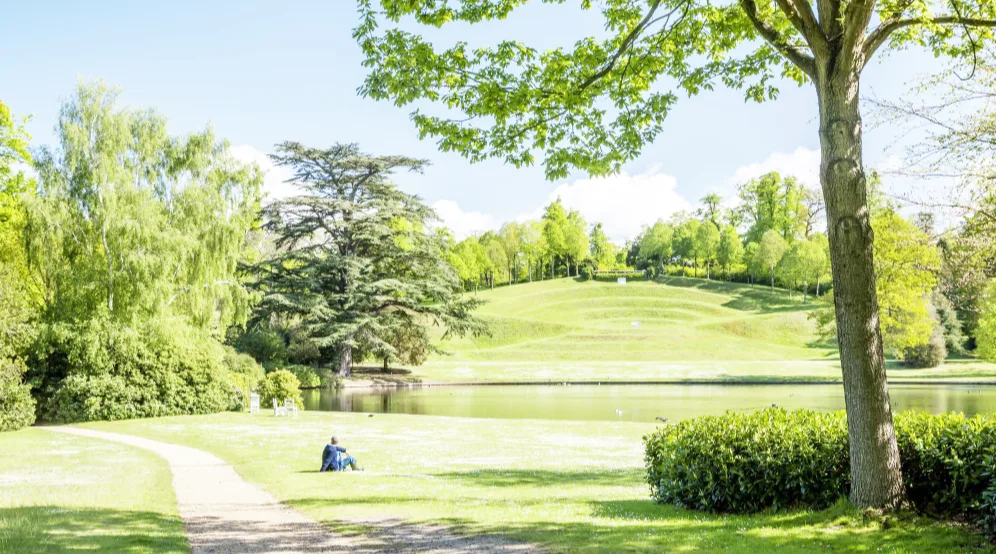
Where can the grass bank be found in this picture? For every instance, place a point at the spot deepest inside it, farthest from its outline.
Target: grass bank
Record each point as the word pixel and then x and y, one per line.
pixel 570 486
pixel 62 494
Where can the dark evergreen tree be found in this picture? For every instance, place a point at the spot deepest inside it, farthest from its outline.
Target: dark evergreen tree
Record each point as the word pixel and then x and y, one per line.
pixel 353 259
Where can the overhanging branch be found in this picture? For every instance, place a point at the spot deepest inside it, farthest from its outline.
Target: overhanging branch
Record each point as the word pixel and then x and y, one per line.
pixel 878 37
pixel 796 54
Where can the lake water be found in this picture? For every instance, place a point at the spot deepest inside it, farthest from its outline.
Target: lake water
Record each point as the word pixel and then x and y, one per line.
pixel 634 402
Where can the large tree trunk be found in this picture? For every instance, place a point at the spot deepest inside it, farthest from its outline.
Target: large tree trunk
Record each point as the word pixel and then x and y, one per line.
pixel 876 475
pixel 345 362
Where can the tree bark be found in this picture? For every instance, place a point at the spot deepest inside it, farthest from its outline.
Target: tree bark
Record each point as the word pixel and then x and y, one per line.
pixel 345 362
pixel 876 474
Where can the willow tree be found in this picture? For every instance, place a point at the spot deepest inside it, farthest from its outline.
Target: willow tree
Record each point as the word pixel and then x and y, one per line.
pixel 354 263
pixel 595 106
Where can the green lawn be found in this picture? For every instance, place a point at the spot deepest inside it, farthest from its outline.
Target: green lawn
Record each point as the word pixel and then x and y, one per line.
pixel 689 330
pixel 571 486
pixel 62 494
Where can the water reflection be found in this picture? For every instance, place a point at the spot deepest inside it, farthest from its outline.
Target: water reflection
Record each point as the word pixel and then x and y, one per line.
pixel 634 402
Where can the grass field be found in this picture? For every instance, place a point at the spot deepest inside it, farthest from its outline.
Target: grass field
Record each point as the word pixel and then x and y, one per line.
pixel 688 330
pixel 685 319
pixel 62 494
pixel 569 486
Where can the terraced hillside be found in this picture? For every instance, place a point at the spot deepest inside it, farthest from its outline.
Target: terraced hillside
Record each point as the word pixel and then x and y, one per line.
pixel 677 320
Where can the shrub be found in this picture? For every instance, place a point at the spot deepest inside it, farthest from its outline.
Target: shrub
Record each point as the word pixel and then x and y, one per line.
pixel 307 376
pixel 776 459
pixel 947 460
pixel 930 354
pixel 587 270
pixel 102 369
pixel 17 408
pixel 750 462
pixel 280 385
pixel 244 374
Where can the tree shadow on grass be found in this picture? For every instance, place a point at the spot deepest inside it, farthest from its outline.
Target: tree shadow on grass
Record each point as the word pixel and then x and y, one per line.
pixel 639 524
pixel 58 529
pixel 745 297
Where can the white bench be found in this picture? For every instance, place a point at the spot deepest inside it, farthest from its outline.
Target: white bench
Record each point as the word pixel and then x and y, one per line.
pixel 290 407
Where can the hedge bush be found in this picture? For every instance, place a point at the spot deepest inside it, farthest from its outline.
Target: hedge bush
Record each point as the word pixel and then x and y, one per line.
pixel 104 370
pixel 244 375
pixel 280 385
pixel 307 376
pixel 776 459
pixel 17 407
pixel 750 462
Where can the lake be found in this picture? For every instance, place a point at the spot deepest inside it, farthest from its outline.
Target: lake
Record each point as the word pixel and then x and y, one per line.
pixel 633 402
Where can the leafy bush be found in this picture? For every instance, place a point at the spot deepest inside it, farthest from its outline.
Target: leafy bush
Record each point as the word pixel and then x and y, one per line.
pixel 102 369
pixel 244 374
pixel 280 385
pixel 307 376
pixel 750 462
pixel 947 460
pixel 775 459
pixel 17 408
pixel 587 270
pixel 930 354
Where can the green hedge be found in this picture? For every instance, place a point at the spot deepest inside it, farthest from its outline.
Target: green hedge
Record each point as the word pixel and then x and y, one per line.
pixel 307 376
pixel 280 385
pixel 779 459
pixel 17 407
pixel 104 370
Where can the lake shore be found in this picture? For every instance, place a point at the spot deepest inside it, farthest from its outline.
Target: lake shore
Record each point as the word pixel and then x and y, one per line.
pixel 954 372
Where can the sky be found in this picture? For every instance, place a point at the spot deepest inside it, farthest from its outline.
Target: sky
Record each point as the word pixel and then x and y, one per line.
pixel 265 72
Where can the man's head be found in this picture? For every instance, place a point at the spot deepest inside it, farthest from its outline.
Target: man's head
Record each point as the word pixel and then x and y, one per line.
pixel 334 439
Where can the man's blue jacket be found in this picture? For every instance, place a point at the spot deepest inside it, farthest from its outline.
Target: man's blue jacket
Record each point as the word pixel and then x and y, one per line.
pixel 330 457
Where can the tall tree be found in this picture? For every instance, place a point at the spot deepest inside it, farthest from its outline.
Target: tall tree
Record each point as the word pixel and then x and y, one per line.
pixel 707 244
pixel 131 221
pixel 683 242
pixel 602 249
pixel 769 252
pixel 510 236
pixel 576 239
pixel 803 262
pixel 353 256
pixel 731 250
pixel 554 231
pixel 510 99
pixel 710 208
pixel 655 244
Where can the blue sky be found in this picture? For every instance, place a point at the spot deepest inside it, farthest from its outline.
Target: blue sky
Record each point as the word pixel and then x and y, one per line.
pixel 264 72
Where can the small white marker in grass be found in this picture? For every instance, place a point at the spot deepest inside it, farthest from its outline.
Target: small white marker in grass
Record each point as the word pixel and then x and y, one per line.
pixel 635 323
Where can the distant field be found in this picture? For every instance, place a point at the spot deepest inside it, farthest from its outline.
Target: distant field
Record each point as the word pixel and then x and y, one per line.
pixel 678 329
pixel 684 319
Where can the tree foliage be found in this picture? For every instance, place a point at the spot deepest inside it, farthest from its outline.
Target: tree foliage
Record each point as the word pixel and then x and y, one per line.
pixel 353 257
pixel 594 106
pixel 134 222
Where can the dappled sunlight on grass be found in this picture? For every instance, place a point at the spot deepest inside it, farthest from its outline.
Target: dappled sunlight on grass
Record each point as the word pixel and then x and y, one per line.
pixel 70 494
pixel 568 485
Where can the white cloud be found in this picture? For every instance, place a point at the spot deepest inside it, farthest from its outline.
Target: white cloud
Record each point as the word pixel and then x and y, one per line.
pixel 623 203
pixel 804 164
pixel 462 224
pixel 275 180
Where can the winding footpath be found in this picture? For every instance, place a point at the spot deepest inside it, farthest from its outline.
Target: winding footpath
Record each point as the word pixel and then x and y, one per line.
pixel 224 514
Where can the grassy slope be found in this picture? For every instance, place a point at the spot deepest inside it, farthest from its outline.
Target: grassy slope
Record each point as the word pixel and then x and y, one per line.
pixel 690 330
pixel 69 494
pixel 571 486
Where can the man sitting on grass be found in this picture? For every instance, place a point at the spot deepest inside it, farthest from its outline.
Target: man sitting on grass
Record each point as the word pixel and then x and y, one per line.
pixel 332 461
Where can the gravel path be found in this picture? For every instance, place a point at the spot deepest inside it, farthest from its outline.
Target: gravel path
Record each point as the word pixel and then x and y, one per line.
pixel 224 514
